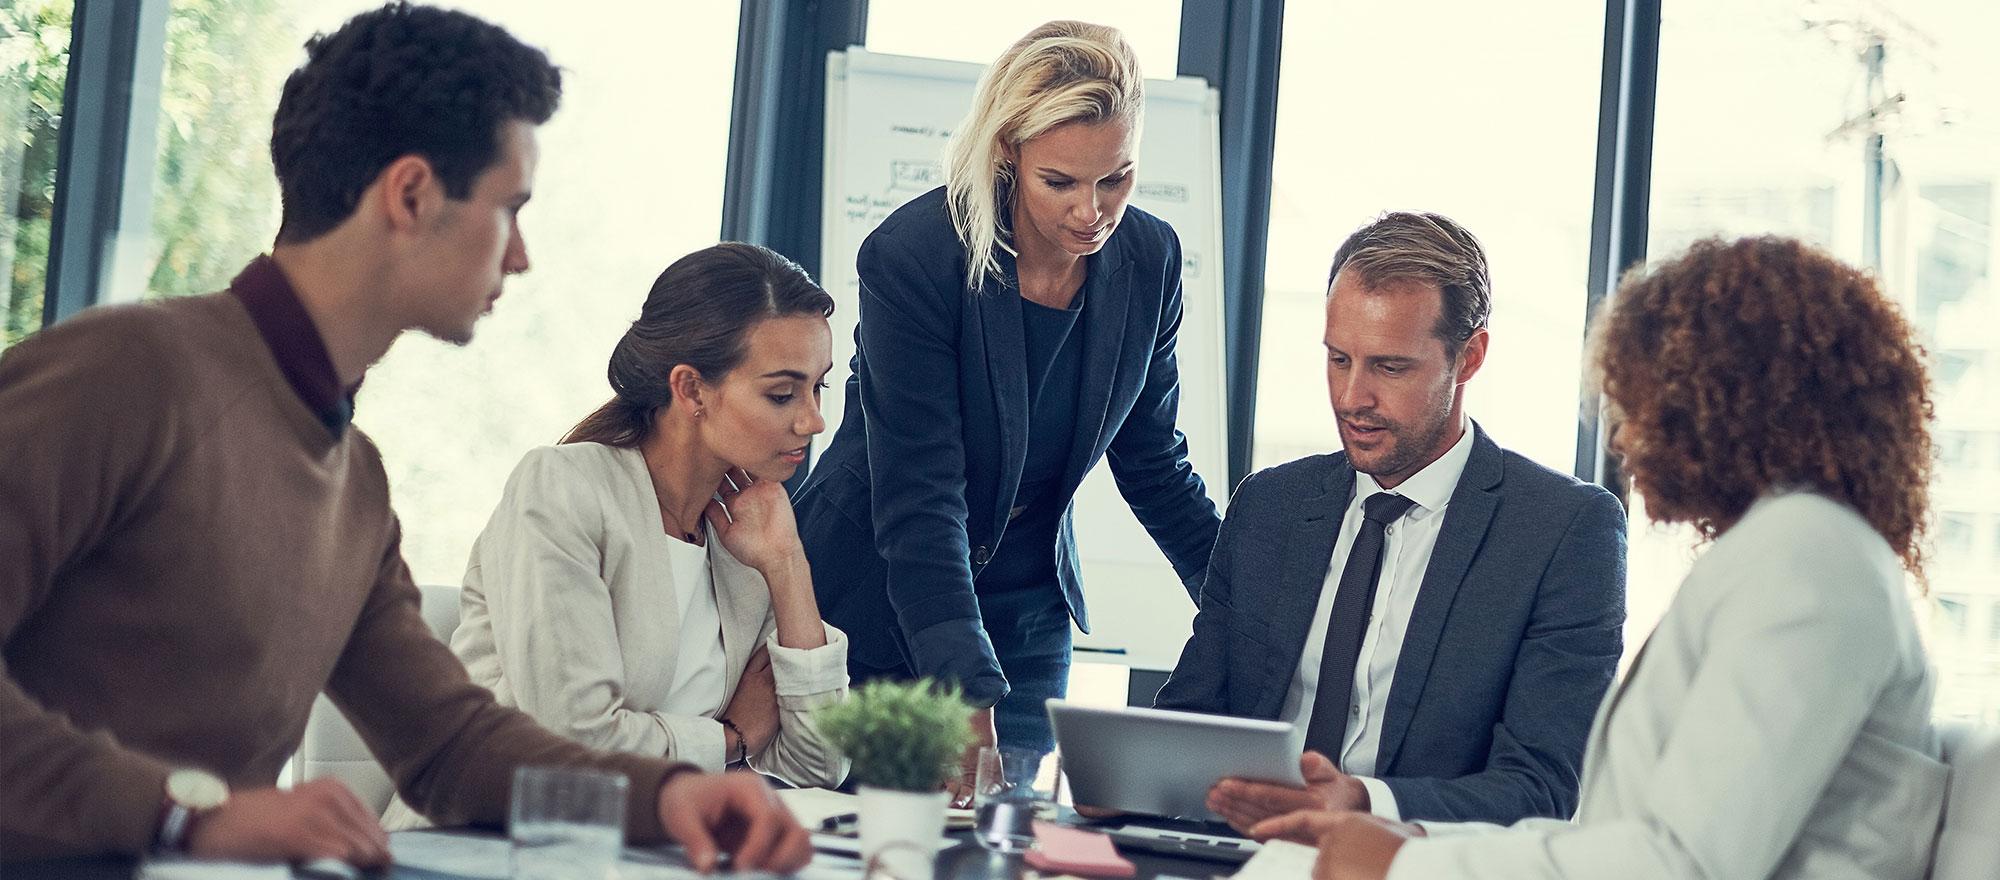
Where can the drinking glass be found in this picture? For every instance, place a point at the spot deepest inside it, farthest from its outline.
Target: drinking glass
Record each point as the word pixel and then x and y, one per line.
pixel 1011 789
pixel 566 823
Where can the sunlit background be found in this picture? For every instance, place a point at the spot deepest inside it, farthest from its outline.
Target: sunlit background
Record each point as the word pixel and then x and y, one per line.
pixel 1769 115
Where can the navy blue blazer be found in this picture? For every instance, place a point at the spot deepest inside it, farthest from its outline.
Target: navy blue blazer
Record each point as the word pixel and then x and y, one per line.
pixel 910 499
pixel 1514 639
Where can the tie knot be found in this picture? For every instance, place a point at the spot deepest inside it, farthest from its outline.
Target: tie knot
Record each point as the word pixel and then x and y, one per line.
pixel 1385 508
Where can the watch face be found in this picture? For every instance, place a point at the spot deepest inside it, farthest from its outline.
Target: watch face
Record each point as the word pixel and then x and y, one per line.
pixel 196 789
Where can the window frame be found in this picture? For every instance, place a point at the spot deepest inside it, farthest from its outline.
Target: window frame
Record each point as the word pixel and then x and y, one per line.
pixel 117 59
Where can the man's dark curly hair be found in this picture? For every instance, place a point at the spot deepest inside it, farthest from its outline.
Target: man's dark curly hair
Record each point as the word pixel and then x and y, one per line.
pixel 1742 367
pixel 397 81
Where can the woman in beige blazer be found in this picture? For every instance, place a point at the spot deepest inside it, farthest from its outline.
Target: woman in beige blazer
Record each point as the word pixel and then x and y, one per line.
pixel 641 586
pixel 1777 723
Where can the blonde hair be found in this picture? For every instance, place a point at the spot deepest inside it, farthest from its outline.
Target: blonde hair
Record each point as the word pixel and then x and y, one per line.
pixel 1061 72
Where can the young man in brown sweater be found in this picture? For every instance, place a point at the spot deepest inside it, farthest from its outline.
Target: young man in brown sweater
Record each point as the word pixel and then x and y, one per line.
pixel 194 541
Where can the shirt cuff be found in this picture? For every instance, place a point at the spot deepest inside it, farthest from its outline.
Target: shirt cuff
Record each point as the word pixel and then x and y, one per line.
pixel 806 672
pixel 1381 800
pixel 1476 849
pixel 698 741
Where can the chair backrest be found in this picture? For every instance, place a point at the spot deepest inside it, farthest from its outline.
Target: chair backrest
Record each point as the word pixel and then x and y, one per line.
pixel 333 748
pixel 1968 841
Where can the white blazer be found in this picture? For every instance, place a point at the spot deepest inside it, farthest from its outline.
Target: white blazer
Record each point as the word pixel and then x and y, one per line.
pixel 569 612
pixel 1776 724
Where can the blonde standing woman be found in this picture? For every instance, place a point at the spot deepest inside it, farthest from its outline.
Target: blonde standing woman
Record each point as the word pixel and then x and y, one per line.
pixel 1016 326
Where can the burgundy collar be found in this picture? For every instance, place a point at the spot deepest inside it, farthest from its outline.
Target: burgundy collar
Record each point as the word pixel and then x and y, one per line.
pixel 289 332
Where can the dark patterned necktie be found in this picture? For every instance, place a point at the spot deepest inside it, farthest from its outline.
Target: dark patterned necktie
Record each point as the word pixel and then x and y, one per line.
pixel 1348 625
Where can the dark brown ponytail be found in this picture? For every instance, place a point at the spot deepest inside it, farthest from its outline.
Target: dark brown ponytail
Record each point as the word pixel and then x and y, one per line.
pixel 698 313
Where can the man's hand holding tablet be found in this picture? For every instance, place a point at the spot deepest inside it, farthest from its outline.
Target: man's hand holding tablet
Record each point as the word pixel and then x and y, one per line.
pixel 1164 763
pixel 1246 802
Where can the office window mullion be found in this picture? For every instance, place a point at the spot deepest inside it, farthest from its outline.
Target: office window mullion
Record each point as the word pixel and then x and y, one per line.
pixel 102 188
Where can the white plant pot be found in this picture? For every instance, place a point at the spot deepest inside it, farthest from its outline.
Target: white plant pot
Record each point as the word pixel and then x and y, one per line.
pixel 902 828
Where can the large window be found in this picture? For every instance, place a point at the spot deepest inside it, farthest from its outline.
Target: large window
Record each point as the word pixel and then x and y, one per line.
pixel 630 179
pixel 214 198
pixel 1484 112
pixel 1766 115
pixel 34 64
pixel 979 32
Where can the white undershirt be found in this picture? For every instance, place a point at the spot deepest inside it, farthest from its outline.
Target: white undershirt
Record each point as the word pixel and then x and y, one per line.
pixel 1406 553
pixel 697 684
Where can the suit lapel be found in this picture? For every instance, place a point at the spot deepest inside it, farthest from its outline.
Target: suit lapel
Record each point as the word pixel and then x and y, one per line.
pixel 1307 555
pixel 1465 522
pixel 655 550
pixel 999 306
pixel 744 604
pixel 1107 301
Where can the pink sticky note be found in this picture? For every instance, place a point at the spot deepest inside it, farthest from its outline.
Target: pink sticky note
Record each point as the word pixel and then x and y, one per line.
pixel 1076 851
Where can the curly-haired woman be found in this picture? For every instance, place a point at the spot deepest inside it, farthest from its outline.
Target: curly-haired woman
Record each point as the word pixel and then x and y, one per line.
pixel 1777 724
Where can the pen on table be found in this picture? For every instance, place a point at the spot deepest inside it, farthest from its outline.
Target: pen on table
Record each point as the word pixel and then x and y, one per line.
pixel 832 824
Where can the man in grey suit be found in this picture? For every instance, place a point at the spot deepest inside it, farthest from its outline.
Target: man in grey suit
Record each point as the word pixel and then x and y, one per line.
pixel 1437 617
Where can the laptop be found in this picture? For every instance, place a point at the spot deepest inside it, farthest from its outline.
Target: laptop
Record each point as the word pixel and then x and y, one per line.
pixel 1211 841
pixel 1162 763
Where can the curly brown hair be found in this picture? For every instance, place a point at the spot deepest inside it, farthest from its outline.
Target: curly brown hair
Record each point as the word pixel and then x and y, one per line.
pixel 1739 367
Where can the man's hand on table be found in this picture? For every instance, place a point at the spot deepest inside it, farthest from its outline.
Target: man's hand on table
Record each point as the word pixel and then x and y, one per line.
pixel 707 813
pixel 1243 803
pixel 320 819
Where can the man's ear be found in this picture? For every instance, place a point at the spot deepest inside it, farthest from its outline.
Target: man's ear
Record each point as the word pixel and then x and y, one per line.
pixel 1472 356
pixel 411 194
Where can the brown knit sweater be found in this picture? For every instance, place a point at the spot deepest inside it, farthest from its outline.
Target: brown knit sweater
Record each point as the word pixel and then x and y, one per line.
pixel 187 556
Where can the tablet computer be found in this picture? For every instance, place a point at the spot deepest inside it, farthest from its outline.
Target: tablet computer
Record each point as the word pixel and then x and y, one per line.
pixel 1162 763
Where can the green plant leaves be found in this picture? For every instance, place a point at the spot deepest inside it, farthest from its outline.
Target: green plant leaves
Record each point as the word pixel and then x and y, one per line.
pixel 906 736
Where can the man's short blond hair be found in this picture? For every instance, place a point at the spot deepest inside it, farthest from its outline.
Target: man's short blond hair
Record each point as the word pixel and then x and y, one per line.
pixel 1430 249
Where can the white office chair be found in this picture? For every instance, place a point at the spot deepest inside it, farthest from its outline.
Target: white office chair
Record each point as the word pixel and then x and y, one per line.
pixel 1968 843
pixel 333 748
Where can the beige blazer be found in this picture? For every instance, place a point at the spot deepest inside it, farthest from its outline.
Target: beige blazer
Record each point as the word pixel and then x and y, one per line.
pixel 569 613
pixel 1776 724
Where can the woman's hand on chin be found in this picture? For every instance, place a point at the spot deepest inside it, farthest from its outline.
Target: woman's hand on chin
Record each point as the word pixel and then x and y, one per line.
pixel 753 518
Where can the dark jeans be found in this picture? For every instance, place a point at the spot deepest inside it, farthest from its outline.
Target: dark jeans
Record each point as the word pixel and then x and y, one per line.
pixel 1030 630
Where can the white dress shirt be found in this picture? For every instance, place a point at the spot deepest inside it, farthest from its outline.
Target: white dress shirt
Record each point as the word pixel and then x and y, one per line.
pixel 697 687
pixel 1406 553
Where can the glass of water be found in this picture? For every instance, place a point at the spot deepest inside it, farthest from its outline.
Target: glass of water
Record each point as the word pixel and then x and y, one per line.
pixel 566 823
pixel 1013 788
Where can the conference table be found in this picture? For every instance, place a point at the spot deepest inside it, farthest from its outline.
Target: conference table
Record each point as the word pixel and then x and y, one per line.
pixel 965 860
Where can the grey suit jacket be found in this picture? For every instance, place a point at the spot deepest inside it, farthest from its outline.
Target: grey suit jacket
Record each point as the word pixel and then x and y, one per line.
pixel 1514 639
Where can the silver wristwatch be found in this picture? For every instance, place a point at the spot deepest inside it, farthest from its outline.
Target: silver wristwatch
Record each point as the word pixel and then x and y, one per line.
pixel 188 793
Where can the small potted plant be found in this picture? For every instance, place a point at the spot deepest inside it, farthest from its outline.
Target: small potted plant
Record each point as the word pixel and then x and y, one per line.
pixel 904 740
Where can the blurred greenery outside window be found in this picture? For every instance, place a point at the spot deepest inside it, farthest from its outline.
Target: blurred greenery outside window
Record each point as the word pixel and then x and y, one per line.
pixel 214 202
pixel 34 64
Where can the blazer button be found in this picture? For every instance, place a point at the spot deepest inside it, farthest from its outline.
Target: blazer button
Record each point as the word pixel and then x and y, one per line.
pixel 981 554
